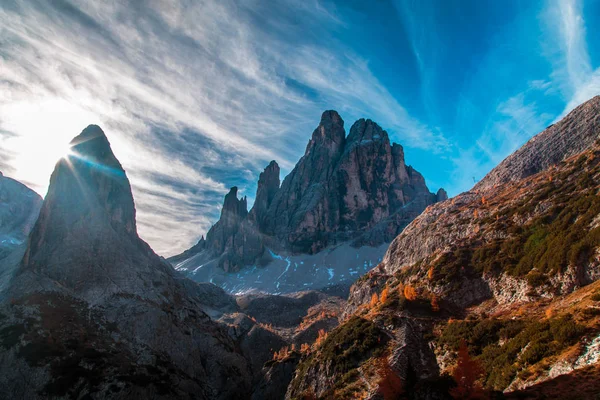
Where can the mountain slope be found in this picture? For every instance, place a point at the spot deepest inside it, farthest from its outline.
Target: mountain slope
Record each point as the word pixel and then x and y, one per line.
pixel 510 268
pixel 571 135
pixel 93 312
pixel 19 209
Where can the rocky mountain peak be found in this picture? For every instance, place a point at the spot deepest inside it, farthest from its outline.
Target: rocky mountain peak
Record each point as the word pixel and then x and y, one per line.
pixel 234 207
pixel 573 134
pixel 85 237
pixel 93 143
pixel 441 195
pixel 92 286
pixel 267 187
pixel 341 188
pixel 19 209
pixel 363 131
pixel 329 137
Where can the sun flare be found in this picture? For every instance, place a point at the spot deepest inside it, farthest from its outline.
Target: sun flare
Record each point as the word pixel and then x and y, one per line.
pixel 44 131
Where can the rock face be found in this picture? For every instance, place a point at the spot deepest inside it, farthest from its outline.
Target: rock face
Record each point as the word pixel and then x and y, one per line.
pixel 343 187
pixel 268 185
pixel 354 189
pixel 89 215
pixel 528 185
pixel 92 298
pixel 509 267
pixel 19 209
pixel 571 135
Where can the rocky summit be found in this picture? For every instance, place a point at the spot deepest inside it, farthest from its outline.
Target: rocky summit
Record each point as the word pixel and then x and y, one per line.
pixel 354 191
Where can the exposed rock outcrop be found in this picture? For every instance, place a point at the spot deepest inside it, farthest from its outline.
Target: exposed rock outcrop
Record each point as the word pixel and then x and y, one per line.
pixel 234 238
pixel 19 209
pixel 93 299
pixel 343 187
pixel 571 135
pixel 268 185
pixel 354 189
pixel 441 195
pixel 526 191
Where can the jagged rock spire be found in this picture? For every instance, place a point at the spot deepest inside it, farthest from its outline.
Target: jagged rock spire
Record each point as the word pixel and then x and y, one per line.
pixel 232 207
pixel 267 187
pixel 341 187
pixel 85 237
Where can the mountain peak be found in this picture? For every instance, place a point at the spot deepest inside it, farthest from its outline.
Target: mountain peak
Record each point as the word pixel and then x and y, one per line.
pixel 90 132
pixel 93 144
pixel 86 231
pixel 331 116
pixel 365 130
pixel 267 187
pixel 573 134
pixel 329 136
pixel 234 207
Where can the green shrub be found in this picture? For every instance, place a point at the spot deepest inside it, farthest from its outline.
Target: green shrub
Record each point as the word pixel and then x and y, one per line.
pixel 525 343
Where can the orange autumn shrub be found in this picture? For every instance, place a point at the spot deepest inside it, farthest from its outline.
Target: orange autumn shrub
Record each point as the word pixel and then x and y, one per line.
pixel 389 386
pixel 410 293
pixel 384 295
pixel 374 300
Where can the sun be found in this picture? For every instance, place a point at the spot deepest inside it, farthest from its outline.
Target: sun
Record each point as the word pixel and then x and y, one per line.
pixel 66 151
pixel 43 130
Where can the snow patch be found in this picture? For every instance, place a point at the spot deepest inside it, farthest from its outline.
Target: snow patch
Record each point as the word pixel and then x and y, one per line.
pixel 331 273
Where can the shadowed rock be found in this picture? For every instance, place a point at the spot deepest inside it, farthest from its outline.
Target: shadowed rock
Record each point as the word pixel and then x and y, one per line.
pixel 19 209
pixel 95 300
pixel 354 189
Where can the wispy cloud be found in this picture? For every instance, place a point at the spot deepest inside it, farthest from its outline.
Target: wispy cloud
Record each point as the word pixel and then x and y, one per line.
pixel 194 97
pixel 567 50
pixel 528 71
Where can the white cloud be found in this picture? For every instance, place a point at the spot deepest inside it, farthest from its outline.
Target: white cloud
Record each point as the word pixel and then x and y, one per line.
pixel 214 75
pixel 567 50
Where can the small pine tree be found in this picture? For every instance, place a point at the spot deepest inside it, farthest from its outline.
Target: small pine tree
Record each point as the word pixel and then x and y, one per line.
pixel 466 374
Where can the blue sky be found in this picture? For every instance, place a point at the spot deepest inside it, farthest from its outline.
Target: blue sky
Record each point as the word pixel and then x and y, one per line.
pixel 199 96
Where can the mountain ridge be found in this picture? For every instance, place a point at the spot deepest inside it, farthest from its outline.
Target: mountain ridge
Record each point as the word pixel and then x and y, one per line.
pixel 567 137
pixel 352 189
